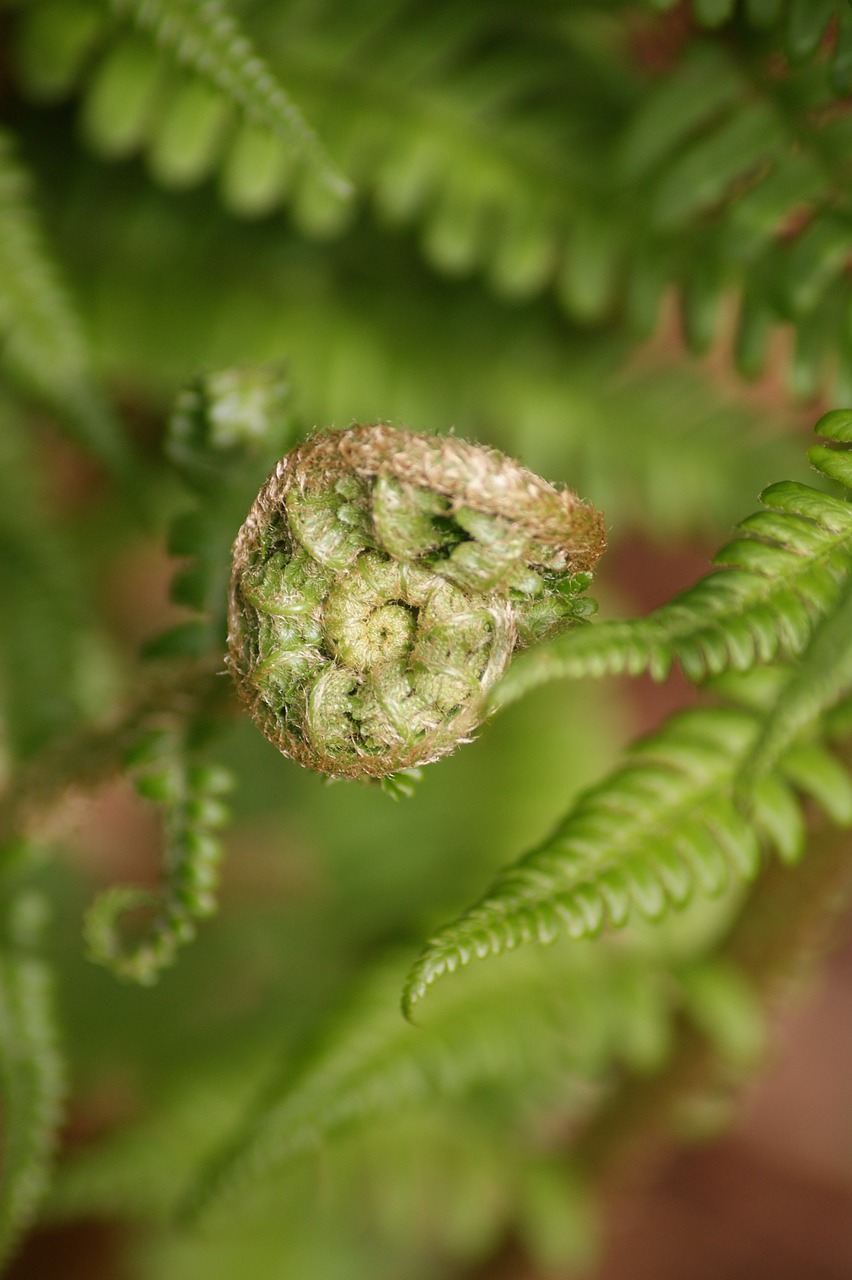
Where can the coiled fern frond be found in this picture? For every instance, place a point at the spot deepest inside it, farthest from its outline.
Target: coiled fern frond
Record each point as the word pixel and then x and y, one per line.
pixel 383 580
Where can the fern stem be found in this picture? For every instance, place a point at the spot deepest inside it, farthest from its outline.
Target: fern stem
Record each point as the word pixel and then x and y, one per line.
pixel 86 758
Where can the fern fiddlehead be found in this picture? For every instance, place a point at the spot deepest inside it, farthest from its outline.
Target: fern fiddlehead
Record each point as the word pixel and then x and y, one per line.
pixel 383 580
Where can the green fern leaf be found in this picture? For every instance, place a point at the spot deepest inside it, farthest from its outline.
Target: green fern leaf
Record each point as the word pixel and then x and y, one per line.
pixel 773 585
pixel 31 1075
pixel 821 679
pixel 576 1010
pixel 207 38
pixel 719 161
pixel 640 843
pixel 47 609
pixel 43 344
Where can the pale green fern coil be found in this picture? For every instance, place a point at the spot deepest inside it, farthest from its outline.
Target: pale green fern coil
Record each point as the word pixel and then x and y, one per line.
pixel 381 583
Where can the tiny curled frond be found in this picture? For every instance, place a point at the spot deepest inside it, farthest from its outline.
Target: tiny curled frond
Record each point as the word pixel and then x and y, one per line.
pixel 784 571
pixel 644 840
pixel 226 429
pixel 382 581
pixel 190 795
pixel 191 798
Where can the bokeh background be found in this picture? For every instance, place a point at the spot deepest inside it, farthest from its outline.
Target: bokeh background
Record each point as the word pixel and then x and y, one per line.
pixel 442 295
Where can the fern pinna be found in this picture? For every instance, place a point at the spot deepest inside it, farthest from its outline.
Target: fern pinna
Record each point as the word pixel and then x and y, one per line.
pixel 672 820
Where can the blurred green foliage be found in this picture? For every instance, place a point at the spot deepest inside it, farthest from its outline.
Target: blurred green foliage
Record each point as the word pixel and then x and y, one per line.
pixel 469 216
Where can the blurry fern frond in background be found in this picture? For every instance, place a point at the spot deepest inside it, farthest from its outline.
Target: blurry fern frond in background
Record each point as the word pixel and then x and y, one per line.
pixel 516 141
pixel 42 339
pixel 32 1082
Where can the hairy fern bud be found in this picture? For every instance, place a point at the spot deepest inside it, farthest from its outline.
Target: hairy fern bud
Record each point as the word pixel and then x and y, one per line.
pixel 381 583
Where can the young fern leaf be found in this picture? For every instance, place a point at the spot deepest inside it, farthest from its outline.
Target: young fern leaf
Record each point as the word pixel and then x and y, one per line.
pixel 31 1074
pixel 642 841
pixel 226 431
pixel 41 340
pixel 803 26
pixel 772 585
pixel 190 795
pixel 821 679
pixel 207 37
pixel 823 676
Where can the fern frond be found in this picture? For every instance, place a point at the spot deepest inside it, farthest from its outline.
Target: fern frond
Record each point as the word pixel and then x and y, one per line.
pixel 514 142
pixel 208 38
pixel 773 584
pixel 31 1075
pixel 42 341
pixel 803 27
pixel 577 1011
pixel 821 679
pixel 227 430
pixel 46 615
pixel 640 843
pixel 190 796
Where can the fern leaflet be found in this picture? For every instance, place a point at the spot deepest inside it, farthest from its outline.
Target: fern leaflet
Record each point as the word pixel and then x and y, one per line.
pixel 772 585
pixel 642 841
pixel 821 679
pixel 804 27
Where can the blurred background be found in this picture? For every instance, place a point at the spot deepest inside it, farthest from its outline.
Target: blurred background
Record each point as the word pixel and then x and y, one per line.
pixel 518 262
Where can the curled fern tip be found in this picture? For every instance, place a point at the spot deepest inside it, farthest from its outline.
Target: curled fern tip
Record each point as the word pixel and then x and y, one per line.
pixel 382 582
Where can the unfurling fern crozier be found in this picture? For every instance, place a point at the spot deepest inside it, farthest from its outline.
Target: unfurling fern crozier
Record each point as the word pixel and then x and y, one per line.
pixel 381 583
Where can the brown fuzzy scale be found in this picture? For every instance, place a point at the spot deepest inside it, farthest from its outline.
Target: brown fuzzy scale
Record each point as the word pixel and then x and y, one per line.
pixel 468 482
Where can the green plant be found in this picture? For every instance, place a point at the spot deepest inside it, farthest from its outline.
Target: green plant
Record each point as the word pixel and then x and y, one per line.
pixel 530 193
